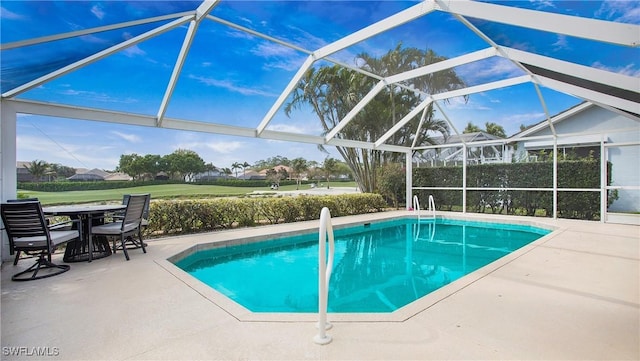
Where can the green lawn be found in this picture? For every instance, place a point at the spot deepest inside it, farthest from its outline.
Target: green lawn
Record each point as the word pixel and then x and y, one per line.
pixel 157 192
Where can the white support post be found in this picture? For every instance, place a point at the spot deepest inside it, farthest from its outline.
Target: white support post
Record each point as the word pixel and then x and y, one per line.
pixel 409 179
pixel 603 181
pixel 8 176
pixel 464 178
pixel 555 177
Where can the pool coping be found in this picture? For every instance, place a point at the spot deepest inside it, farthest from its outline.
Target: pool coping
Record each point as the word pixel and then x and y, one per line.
pixel 401 315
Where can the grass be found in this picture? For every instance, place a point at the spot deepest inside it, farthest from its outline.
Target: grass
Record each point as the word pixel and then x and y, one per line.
pixel 164 191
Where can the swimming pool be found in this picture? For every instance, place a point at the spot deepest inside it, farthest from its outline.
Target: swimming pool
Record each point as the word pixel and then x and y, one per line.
pixel 379 267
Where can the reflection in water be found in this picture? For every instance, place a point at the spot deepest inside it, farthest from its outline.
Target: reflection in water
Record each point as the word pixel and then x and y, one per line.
pixel 377 269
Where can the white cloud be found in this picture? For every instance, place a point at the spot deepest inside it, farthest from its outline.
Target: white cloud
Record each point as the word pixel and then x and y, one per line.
pixel 226 84
pixel 268 49
pixel 561 43
pixel 134 50
pixel 6 14
pixel 98 11
pixel 541 4
pixel 280 57
pixel 225 147
pixel 522 118
pixel 197 143
pixel 629 70
pixel 132 138
pixel 70 154
pixel 491 69
pixel 93 39
pixel 295 129
pixel 237 34
pixel 620 11
pixel 95 96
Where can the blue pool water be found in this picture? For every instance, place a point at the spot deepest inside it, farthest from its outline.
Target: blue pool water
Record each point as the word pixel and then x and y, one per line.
pixel 378 267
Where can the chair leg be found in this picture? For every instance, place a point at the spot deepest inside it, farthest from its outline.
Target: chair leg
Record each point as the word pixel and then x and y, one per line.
pixel 144 250
pixel 15 261
pixel 124 248
pixel 40 264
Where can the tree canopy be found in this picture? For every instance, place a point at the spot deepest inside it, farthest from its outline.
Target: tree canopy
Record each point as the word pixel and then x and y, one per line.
pixel 181 164
pixel 333 91
pixel 490 128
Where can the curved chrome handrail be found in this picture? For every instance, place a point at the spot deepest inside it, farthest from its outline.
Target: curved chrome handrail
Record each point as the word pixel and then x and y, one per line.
pixel 324 274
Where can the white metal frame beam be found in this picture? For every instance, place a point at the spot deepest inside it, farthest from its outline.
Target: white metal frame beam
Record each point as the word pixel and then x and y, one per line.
pixel 383 25
pixel 442 65
pixel 576 70
pixel 390 22
pixel 356 109
pixel 402 122
pixel 95 57
pixel 285 93
pixel 99 29
pixel 482 87
pixel 201 12
pixel 590 95
pixel 422 71
pixel 607 31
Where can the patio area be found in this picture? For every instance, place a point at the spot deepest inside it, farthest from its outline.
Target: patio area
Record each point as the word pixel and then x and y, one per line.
pixel 573 294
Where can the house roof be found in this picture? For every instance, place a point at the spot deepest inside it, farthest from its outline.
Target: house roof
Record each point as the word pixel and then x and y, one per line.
pixel 62 52
pixel 553 120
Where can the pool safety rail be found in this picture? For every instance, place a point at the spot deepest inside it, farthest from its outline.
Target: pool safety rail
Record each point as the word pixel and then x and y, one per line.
pixel 325 266
pixel 431 210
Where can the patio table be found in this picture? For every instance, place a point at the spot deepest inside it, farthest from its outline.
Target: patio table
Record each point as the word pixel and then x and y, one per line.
pixel 85 249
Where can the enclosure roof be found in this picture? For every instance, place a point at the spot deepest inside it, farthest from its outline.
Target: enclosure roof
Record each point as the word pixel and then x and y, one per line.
pixel 229 67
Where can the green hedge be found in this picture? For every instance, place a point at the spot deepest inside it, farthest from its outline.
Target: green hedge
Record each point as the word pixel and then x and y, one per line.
pixel 88 185
pixel 97 185
pixel 170 217
pixel 571 174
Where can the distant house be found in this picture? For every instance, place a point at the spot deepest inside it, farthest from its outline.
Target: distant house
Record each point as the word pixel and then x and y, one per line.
pixel 91 175
pixel 454 155
pixel 208 176
pixel 252 175
pixel 604 125
pixel 23 173
pixel 98 175
pixel 118 176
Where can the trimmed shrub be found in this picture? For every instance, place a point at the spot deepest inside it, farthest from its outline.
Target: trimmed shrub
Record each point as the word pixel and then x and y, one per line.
pixel 171 217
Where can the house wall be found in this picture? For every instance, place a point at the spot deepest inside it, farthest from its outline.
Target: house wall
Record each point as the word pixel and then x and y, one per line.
pixel 592 119
pixel 625 160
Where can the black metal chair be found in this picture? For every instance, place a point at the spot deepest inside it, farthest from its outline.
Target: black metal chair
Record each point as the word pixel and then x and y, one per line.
pixel 128 226
pixel 29 232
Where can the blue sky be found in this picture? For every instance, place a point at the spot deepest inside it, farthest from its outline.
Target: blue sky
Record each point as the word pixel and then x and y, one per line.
pixel 231 77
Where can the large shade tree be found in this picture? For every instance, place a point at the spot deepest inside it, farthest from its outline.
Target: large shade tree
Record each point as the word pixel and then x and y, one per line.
pixel 332 91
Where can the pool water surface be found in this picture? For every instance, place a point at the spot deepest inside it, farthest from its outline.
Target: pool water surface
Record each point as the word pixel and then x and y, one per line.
pixel 378 267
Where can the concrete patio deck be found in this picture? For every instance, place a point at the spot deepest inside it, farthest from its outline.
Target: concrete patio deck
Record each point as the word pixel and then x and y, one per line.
pixel 574 294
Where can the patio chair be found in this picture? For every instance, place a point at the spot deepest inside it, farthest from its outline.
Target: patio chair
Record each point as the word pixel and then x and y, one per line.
pixel 128 226
pixel 28 232
pixel 131 242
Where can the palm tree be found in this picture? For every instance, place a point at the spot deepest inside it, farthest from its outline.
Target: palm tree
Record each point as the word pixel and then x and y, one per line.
pixel 226 172
pixel 37 169
pixel 210 168
pixel 235 166
pixel 330 165
pixel 245 165
pixel 298 165
pixel 333 91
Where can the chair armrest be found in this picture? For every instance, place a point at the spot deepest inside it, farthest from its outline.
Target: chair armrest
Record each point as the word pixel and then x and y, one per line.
pixel 62 225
